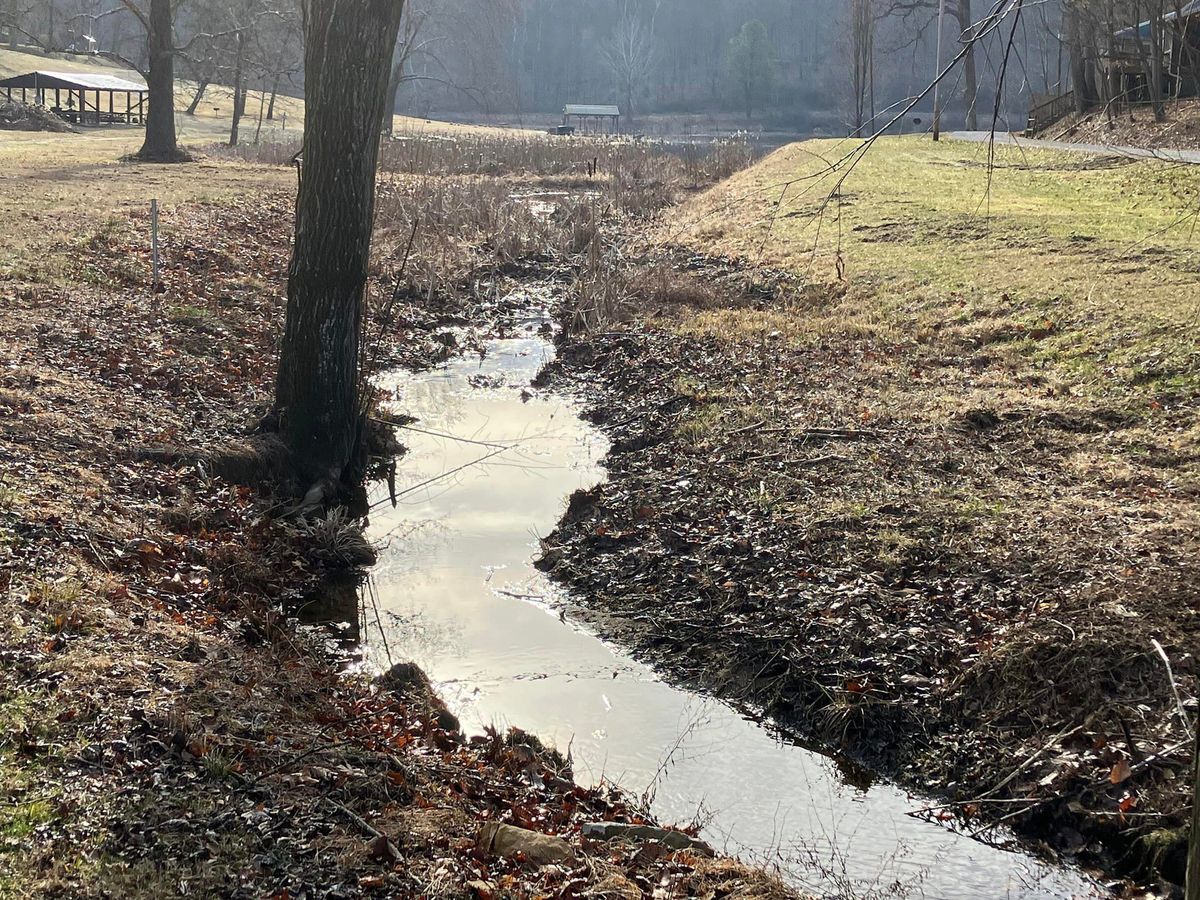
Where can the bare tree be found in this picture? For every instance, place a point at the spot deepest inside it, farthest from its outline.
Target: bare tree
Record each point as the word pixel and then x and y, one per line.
pixel 963 14
pixel 629 55
pixel 204 71
pixel 280 50
pixel 408 46
pixel 1154 70
pixel 862 41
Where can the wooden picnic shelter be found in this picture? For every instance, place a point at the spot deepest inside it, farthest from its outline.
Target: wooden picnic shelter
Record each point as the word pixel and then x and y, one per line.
pixel 596 118
pixel 90 99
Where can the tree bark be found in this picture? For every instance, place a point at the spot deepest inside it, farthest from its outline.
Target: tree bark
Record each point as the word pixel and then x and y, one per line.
pixel 200 89
pixel 1073 28
pixel 1157 51
pixel 348 52
pixel 271 105
pixel 1192 881
pixel 970 73
pixel 161 144
pixel 239 99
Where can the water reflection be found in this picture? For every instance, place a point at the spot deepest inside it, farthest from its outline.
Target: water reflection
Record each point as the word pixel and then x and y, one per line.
pixel 490 466
pixel 334 612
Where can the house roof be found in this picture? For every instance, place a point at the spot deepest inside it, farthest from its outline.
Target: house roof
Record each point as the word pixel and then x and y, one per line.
pixel 582 109
pixel 72 81
pixel 1191 8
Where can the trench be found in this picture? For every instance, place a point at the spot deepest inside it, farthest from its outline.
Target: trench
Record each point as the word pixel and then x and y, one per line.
pixel 491 462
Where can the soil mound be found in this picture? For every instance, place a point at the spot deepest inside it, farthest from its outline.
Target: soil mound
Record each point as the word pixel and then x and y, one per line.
pixel 18 116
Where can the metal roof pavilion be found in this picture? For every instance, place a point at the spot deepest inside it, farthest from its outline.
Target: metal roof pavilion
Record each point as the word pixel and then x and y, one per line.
pixel 596 113
pixel 583 109
pixel 79 97
pixel 71 81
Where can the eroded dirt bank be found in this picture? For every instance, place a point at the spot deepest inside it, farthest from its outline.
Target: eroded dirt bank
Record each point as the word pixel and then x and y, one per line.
pixel 850 535
pixel 168 728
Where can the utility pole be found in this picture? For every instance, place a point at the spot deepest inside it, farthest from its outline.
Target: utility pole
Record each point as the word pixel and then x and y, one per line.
pixel 937 85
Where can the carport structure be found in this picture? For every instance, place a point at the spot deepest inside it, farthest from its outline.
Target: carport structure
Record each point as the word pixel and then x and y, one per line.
pixel 90 99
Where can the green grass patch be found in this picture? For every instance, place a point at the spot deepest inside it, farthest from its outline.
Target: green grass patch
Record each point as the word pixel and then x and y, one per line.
pixel 1081 264
pixel 28 790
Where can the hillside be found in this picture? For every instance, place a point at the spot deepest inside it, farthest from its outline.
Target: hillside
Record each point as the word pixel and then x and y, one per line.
pixel 1134 128
pixel 17 62
pixel 937 428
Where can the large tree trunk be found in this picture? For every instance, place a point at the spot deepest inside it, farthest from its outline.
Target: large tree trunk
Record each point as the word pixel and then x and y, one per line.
pixel 348 52
pixel 1192 879
pixel 1073 29
pixel 161 144
pixel 1157 52
pixel 970 74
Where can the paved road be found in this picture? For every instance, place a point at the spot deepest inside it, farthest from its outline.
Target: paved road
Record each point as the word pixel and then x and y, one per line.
pixel 1190 157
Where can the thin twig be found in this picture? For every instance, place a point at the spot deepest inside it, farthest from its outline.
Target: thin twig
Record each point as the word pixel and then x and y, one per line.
pixel 1183 716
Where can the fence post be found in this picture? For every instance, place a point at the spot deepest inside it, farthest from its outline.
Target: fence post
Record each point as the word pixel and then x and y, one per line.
pixel 154 241
pixel 156 277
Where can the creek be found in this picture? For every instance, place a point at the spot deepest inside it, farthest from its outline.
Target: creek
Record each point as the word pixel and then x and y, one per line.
pixel 490 466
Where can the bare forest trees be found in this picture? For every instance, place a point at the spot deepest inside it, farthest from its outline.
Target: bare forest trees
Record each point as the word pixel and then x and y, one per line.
pixel 161 143
pixel 629 55
pixel 410 46
pixel 1130 51
pixel 263 38
pixel 347 64
pixel 923 14
pixel 862 62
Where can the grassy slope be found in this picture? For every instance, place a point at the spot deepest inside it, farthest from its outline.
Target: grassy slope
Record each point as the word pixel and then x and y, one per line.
pixel 1100 255
pixel 18 62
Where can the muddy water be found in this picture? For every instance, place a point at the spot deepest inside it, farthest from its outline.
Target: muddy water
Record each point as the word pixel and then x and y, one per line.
pixel 488 472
